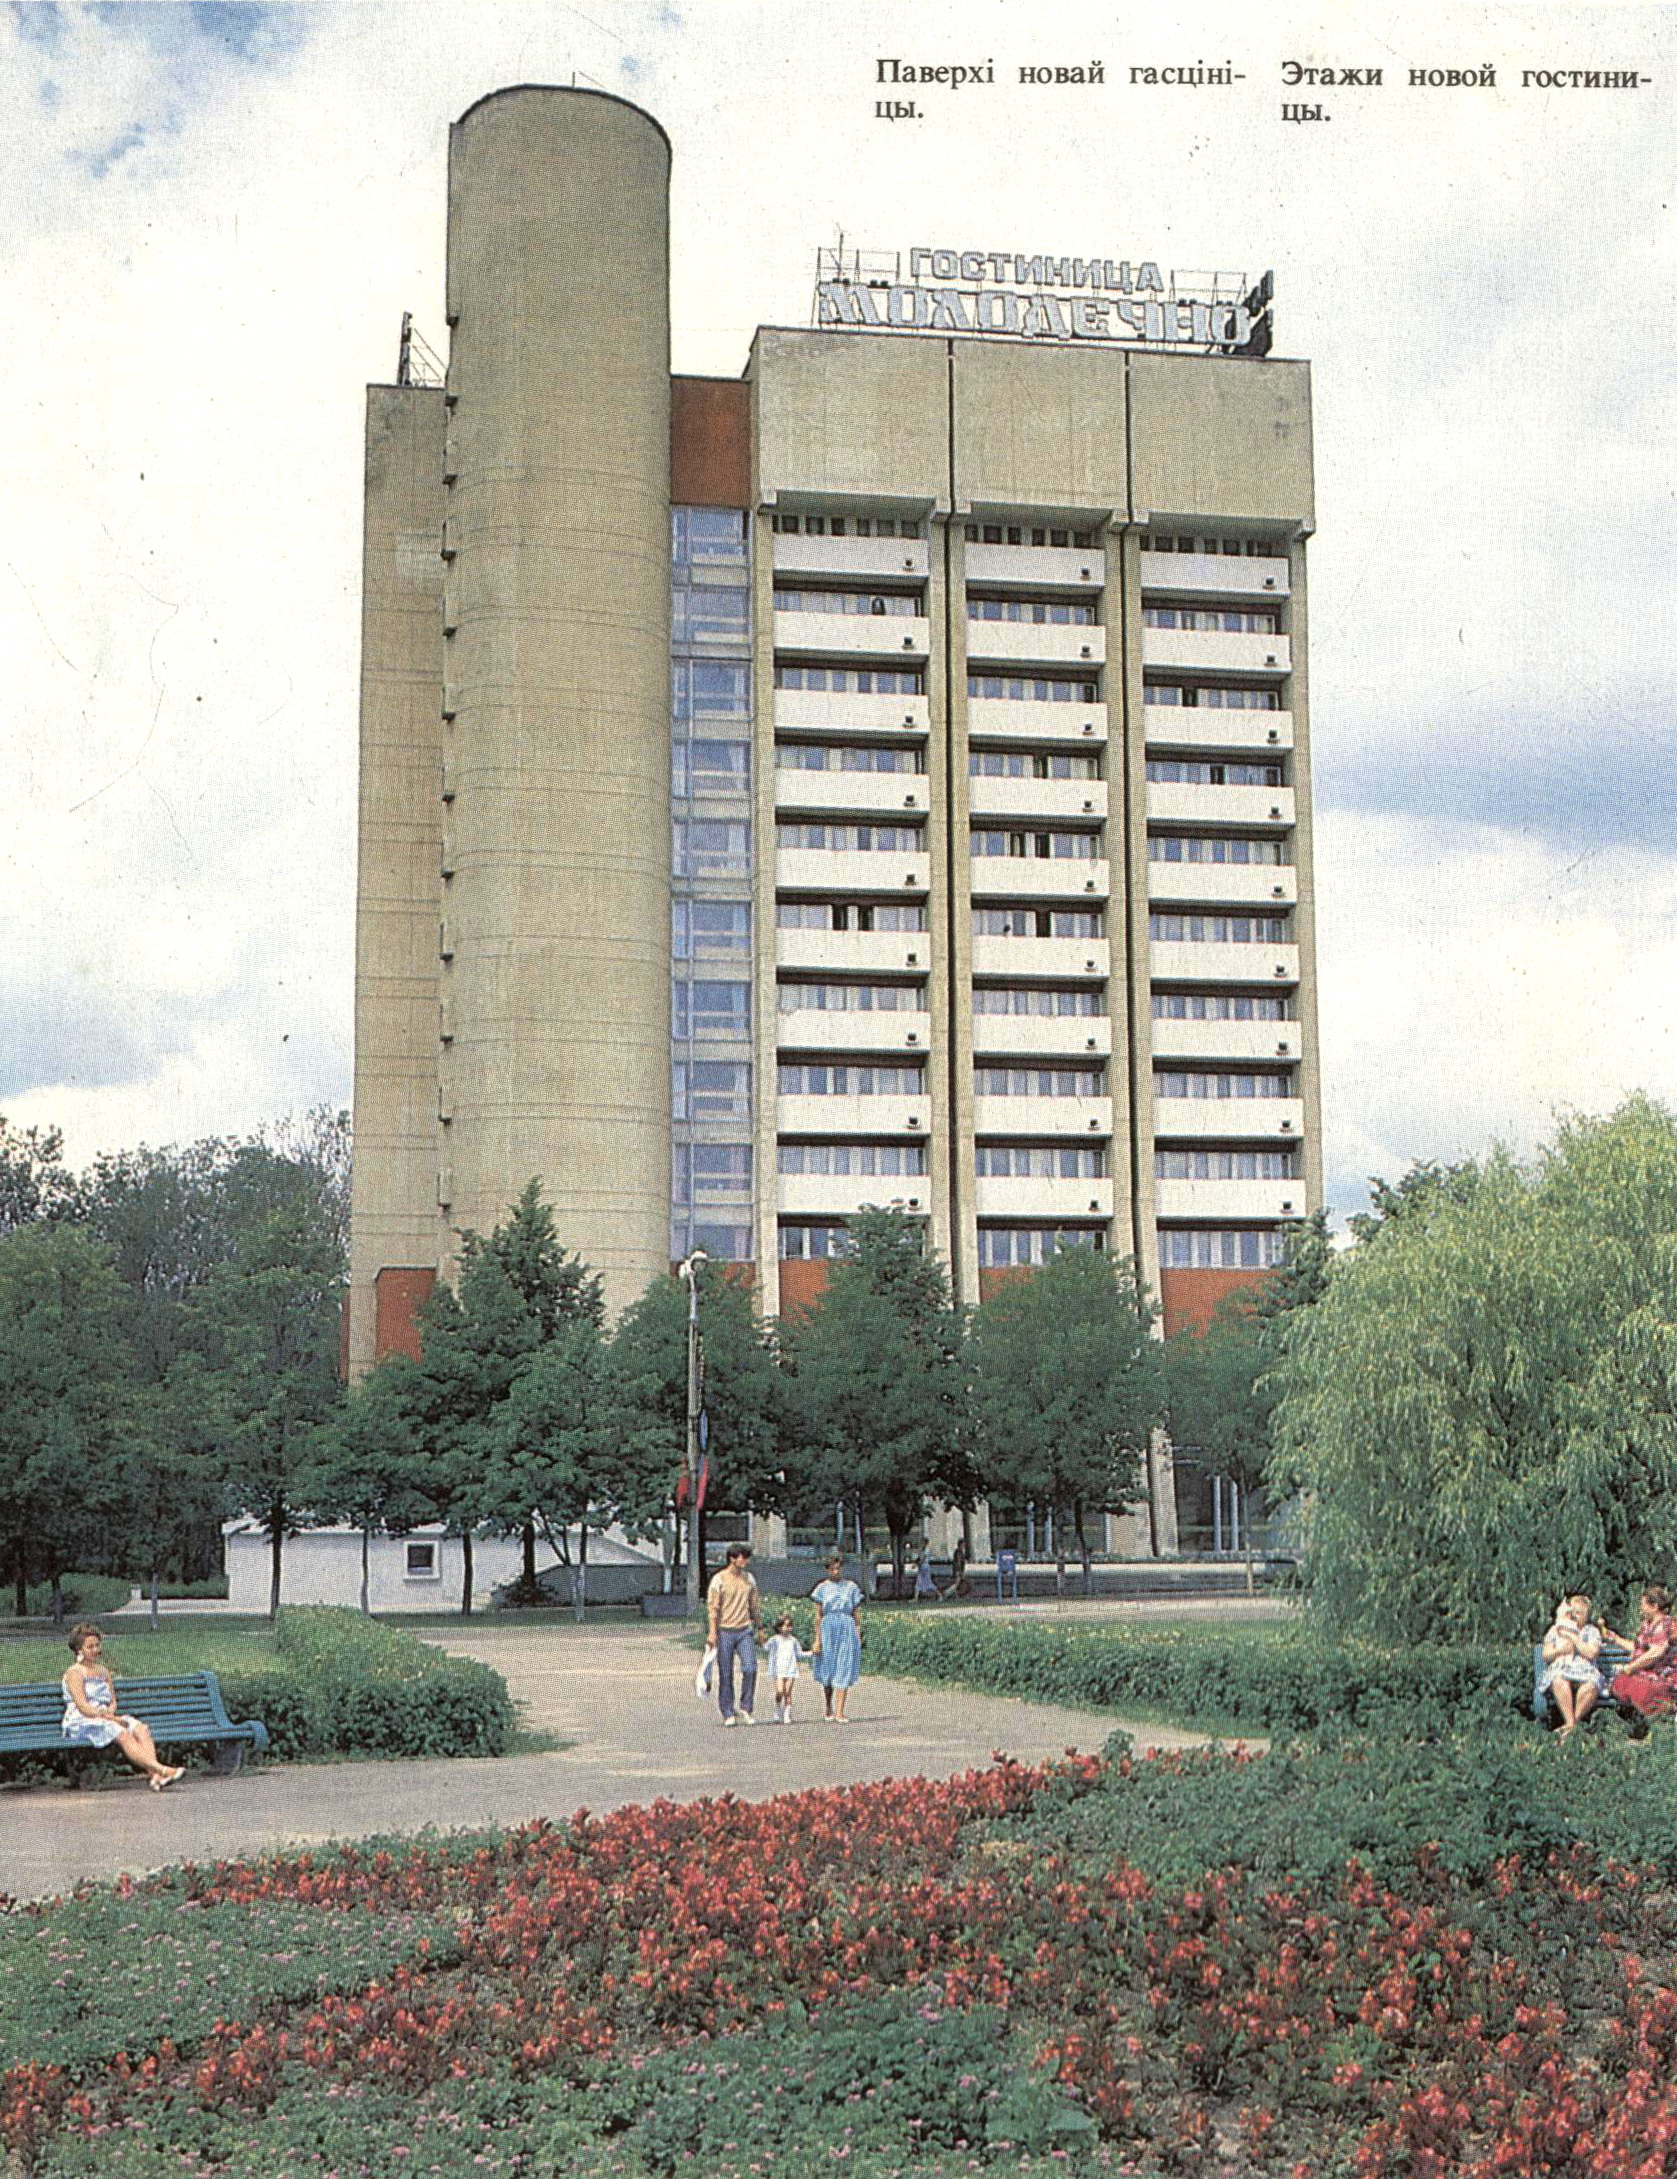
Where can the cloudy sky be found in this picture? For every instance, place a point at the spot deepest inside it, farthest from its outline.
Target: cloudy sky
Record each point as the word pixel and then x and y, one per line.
pixel 216 215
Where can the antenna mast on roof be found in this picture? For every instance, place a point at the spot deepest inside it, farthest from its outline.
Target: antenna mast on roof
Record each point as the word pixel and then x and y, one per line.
pixel 417 362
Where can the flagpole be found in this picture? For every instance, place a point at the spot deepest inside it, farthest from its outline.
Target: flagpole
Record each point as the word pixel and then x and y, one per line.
pixel 695 1572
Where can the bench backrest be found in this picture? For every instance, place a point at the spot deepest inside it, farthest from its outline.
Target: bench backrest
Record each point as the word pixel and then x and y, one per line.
pixel 180 1700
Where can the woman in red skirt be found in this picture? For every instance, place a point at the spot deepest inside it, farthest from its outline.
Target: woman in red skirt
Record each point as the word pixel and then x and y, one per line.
pixel 1647 1685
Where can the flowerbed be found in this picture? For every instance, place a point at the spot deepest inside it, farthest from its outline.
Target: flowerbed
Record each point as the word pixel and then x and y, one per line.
pixel 916 1977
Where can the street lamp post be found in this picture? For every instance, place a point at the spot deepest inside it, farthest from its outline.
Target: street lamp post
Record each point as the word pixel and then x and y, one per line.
pixel 695 1572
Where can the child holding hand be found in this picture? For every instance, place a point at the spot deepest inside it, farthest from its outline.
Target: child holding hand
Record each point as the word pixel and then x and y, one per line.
pixel 784 1652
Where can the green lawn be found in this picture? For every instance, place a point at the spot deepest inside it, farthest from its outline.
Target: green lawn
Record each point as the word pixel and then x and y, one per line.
pixel 133 1652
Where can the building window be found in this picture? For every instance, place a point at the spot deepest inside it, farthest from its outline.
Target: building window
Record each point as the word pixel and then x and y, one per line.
pixel 709 926
pixel 1017 688
pixel 421 1562
pixel 807 1244
pixel 1002 1248
pixel 822 756
pixel 710 688
pixel 705 1009
pixel 1214 1248
pixel 1033 999
pixel 1037 1161
pixel 1184 847
pixel 1217 1006
pixel 710 1089
pixel 1030 764
pixel 1037 923
pixel 1039 1082
pixel 851 680
pixel 819 1078
pixel 1225 1164
pixel 1205 695
pixel 1232 1082
pixel 890 1160
pixel 826 915
pixel 702 1170
pixel 1038 612
pixel 851 998
pixel 1211 618
pixel 707 533
pixel 852 839
pixel 1039 846
pixel 709 613
pixel 1220 930
pixel 710 847
pixel 872 604
pixel 1191 772
pixel 710 767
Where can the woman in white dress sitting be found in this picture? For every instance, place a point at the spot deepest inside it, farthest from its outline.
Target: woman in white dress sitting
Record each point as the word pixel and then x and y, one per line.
pixel 92 1719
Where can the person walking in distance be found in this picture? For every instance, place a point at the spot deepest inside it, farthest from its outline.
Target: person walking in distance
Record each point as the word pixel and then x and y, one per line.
pixel 736 1620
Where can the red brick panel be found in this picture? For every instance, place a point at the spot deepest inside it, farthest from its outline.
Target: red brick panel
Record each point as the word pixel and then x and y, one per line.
pixel 1190 1297
pixel 399 1289
pixel 710 442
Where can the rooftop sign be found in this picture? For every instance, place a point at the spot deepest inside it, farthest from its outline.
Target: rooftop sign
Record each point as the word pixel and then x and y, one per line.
pixel 1043 298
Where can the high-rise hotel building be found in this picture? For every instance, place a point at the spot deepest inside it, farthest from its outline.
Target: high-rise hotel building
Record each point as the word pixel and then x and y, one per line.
pixel 879 778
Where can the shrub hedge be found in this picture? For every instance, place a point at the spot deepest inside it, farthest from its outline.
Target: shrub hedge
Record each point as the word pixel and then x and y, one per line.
pixel 84 1594
pixel 350 1686
pixel 1267 1679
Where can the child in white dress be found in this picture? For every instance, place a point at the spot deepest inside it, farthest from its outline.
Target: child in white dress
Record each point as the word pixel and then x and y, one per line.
pixel 784 1652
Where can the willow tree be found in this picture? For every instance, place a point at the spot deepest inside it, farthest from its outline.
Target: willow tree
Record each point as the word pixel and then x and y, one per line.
pixel 1482 1408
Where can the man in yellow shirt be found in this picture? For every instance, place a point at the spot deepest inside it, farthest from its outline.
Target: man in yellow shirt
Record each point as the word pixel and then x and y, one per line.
pixel 736 1619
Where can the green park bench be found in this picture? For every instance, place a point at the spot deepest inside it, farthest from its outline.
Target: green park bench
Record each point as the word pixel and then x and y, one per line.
pixel 184 1709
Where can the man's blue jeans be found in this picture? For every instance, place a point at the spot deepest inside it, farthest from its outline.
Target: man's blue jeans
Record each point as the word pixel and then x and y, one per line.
pixel 732 1643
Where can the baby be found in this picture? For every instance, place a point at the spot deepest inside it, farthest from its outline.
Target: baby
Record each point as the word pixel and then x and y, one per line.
pixel 784 1652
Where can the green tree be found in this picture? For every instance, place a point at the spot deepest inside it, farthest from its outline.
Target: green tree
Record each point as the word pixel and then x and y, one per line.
pixel 63 1364
pixel 172 1470
pixel 1220 1381
pixel 268 1319
pixel 878 1387
pixel 744 1396
pixel 1068 1389
pixel 554 1452
pixel 34 1183
pixel 1482 1407
pixel 367 1465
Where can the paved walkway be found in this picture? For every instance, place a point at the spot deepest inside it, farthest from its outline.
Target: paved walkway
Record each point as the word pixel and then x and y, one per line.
pixel 622 1697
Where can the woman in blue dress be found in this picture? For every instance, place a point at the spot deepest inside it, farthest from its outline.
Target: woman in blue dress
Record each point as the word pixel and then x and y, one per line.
pixel 837 1647
pixel 92 1719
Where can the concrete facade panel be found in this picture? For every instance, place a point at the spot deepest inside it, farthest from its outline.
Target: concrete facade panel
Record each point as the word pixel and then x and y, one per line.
pixel 843 414
pixel 1221 439
pixel 1040 427
pixel 558 610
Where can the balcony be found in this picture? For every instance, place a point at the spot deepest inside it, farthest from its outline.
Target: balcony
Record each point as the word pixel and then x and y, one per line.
pixel 1214 575
pixel 1187 961
pixel 1062 568
pixel 1232 1040
pixel 828 711
pixel 819 1029
pixel 1229 1202
pixel 1004 800
pixel 869 557
pixel 1222 885
pixel 1226 1119
pixel 1026 643
pixel 1087 1118
pixel 882 639
pixel 853 953
pixel 1039 877
pixel 1067 960
pixel 842 1195
pixel 1041 1036
pixel 1194 728
pixel 878 1116
pixel 1042 1199
pixel 1216 650
pixel 842 794
pixel 1174 802
pixel 846 870
pixel 1001 718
